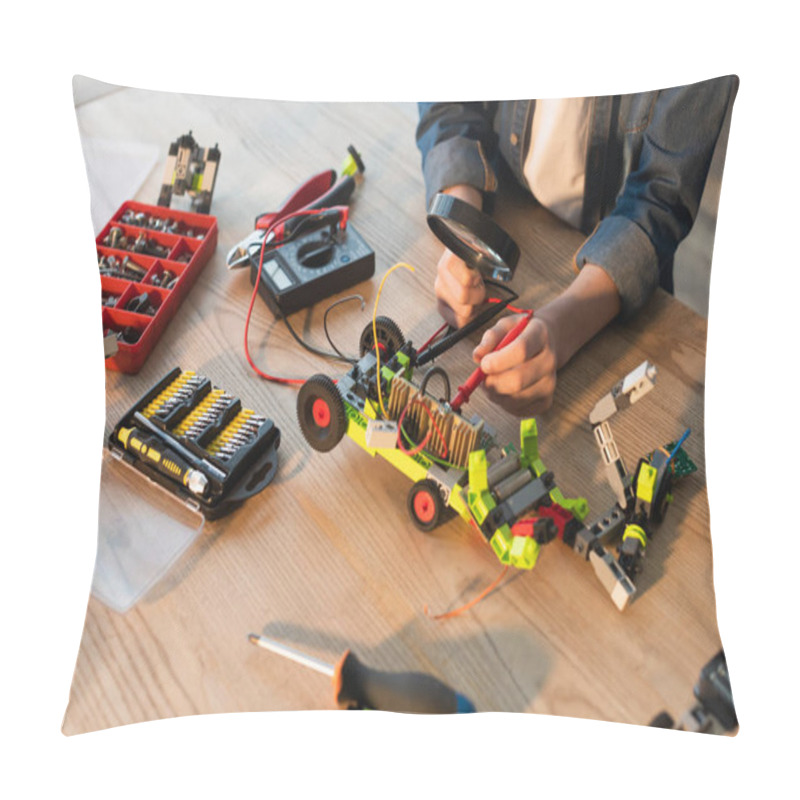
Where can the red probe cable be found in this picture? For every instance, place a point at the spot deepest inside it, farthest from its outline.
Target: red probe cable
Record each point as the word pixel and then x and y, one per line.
pixel 478 376
pixel 274 224
pixel 514 309
pixel 443 328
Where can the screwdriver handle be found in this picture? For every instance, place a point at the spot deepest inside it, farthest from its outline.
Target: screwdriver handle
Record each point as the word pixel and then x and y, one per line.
pixel 153 452
pixel 358 686
pixel 477 377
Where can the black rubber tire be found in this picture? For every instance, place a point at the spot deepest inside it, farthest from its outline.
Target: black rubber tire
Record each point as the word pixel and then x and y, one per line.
pixel 425 493
pixel 320 413
pixel 389 335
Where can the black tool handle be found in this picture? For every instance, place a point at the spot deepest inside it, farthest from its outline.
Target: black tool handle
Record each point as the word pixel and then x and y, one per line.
pixel 338 194
pixel 358 686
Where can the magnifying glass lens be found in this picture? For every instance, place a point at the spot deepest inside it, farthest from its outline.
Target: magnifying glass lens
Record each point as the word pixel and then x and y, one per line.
pixel 474 243
pixel 474 237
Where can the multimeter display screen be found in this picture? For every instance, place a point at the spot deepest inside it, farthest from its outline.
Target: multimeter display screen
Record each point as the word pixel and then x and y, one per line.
pixel 279 277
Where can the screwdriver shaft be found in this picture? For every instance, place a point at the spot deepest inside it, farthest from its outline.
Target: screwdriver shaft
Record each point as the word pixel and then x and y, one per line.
pixel 292 654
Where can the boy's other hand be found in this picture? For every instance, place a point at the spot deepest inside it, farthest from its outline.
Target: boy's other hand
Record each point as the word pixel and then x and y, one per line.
pixel 459 290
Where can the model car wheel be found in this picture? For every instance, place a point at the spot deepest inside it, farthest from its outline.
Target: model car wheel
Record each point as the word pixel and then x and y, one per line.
pixel 390 338
pixel 425 505
pixel 320 412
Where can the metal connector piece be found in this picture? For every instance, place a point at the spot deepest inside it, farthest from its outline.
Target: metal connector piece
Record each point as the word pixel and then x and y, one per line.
pixel 196 482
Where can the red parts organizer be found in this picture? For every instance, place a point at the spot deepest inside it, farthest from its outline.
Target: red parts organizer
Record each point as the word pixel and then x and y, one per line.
pixel 184 257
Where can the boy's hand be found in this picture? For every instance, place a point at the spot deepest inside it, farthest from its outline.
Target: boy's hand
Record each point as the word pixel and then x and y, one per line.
pixel 521 378
pixel 459 290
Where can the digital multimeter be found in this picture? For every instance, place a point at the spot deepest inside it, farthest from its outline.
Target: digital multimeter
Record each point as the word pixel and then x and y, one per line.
pixel 308 269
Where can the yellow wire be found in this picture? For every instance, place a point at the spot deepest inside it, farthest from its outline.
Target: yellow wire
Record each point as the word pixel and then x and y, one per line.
pixel 375 330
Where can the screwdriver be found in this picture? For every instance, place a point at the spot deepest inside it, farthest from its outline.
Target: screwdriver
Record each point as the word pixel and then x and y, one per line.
pixel 356 686
pixel 151 449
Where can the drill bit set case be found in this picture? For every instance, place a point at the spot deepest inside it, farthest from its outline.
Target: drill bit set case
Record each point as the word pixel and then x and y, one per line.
pixel 198 442
pixel 148 256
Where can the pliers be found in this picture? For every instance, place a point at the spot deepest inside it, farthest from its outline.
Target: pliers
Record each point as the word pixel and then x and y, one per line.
pixel 323 190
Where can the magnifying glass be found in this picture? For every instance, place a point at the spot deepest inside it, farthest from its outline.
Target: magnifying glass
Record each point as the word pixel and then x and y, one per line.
pixel 474 237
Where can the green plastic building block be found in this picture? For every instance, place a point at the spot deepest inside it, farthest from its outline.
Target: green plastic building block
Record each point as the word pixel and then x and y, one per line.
pixel 405 362
pixel 524 552
pixel 501 544
pixel 479 498
pixel 577 506
pixel 529 442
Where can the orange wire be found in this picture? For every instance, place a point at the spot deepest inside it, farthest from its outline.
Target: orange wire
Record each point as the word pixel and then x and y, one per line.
pixel 457 611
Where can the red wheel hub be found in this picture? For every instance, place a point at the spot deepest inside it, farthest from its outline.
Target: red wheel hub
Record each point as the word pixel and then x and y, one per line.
pixel 424 506
pixel 321 413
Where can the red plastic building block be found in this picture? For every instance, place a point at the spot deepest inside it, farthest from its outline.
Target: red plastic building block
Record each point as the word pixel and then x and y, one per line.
pixel 558 514
pixel 523 527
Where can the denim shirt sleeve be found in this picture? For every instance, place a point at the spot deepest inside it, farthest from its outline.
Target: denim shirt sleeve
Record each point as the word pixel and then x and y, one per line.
pixel 457 145
pixel 660 197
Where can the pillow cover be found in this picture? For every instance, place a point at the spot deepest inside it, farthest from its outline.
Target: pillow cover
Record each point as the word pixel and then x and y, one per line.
pixel 323 557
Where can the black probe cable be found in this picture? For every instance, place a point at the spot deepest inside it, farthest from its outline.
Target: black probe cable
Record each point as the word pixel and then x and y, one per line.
pixel 433 371
pixel 455 335
pixel 503 287
pixel 325 324
pixel 310 347
pixel 450 339
pixel 336 356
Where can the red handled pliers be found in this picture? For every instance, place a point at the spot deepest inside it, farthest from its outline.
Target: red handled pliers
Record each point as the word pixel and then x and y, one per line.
pixel 325 190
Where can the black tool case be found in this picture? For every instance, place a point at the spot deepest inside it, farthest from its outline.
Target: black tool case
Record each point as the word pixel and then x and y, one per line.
pixel 191 418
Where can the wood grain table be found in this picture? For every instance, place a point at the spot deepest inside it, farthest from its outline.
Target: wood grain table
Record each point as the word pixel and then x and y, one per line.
pixel 326 557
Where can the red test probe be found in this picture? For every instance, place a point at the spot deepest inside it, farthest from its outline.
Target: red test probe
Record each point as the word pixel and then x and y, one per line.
pixel 477 377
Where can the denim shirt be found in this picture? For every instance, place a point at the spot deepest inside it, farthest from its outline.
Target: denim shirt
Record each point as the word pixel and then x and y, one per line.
pixel 646 165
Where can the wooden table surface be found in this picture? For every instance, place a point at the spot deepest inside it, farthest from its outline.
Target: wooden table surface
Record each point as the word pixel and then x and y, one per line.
pixel 326 557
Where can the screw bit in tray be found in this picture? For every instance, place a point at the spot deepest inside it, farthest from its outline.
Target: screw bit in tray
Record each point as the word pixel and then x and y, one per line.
pixel 197 441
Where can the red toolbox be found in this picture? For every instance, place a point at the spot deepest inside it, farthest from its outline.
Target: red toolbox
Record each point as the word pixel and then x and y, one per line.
pixel 149 256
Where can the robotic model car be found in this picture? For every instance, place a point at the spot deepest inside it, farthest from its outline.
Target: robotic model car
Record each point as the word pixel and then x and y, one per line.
pixel 456 464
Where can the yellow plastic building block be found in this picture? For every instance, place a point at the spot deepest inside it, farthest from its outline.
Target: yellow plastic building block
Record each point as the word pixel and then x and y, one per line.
pixel 646 483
